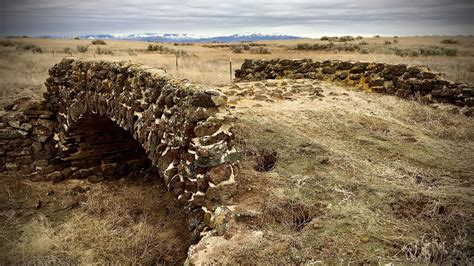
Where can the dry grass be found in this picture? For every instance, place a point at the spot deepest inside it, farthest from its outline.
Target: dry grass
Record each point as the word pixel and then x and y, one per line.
pixel 23 73
pixel 377 178
pixel 358 177
pixel 106 223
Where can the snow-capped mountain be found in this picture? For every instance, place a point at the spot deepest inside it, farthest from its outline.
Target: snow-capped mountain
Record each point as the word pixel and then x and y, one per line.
pixel 175 37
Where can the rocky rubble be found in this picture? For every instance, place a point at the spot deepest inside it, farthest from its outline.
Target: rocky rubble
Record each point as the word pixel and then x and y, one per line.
pixel 275 90
pixel 184 129
pixel 401 80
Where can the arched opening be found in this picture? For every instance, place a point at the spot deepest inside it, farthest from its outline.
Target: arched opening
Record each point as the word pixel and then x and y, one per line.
pixel 100 149
pixel 97 149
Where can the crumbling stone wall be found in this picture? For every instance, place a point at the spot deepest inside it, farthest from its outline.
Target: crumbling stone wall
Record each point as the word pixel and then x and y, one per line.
pixel 400 79
pixel 184 129
pixel 26 141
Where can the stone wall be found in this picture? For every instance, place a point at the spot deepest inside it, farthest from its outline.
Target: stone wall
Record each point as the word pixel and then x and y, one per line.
pixel 184 130
pixel 400 79
pixel 26 141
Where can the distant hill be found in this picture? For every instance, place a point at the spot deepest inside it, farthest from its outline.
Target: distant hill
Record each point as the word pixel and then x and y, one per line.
pixel 172 37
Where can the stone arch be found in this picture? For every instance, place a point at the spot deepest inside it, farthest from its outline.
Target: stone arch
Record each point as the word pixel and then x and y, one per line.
pixel 185 129
pixel 101 150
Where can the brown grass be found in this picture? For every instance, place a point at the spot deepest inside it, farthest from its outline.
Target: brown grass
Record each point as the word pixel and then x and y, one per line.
pixel 359 177
pixel 23 73
pixel 112 223
pixel 380 179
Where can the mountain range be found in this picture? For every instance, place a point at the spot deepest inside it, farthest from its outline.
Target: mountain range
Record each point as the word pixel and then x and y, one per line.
pixel 180 38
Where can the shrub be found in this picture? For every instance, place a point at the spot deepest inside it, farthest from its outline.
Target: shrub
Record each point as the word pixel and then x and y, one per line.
pixel 346 48
pixel 237 49
pixel 359 37
pixel 246 47
pixel 364 50
pixel 451 52
pixel 434 50
pixel 155 47
pixel 165 50
pixel 406 52
pixel 328 47
pixel 257 44
pixel 346 38
pixel 67 50
pixel 22 46
pixel 32 48
pixel 338 39
pixel 104 51
pixel 98 42
pixel 260 50
pixel 363 43
pixel 82 48
pixel 77 38
pixel 7 43
pixel 388 42
pixel 426 51
pixel 314 47
pixel 413 53
pixel 183 44
pixel 395 41
pixel 377 36
pixel 449 41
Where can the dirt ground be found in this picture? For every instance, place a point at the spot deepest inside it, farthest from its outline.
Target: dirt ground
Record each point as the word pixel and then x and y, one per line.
pixel 78 222
pixel 356 178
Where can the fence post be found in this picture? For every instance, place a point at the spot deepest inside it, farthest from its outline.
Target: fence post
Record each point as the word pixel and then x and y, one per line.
pixel 230 71
pixel 53 53
pixel 177 67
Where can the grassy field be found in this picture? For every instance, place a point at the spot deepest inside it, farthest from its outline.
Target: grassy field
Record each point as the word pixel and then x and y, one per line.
pixel 23 72
pixel 357 177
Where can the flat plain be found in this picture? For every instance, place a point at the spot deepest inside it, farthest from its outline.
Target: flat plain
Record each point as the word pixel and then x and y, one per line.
pixel 359 177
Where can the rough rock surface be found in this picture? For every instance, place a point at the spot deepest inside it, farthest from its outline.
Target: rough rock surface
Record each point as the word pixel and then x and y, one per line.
pixel 184 131
pixel 401 80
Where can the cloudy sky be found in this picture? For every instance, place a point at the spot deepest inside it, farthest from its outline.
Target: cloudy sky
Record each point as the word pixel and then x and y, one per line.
pixel 310 18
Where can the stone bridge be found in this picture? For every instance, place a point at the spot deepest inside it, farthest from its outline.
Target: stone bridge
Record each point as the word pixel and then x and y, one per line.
pixel 105 120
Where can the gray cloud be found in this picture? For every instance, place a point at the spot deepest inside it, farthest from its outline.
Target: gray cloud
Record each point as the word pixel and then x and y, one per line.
pixel 303 17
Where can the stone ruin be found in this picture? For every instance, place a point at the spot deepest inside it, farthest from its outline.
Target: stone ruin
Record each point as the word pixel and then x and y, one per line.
pixel 397 79
pixel 103 120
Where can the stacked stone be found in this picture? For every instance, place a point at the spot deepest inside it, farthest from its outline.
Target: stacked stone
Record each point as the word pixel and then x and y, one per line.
pixel 400 79
pixel 184 129
pixel 26 141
